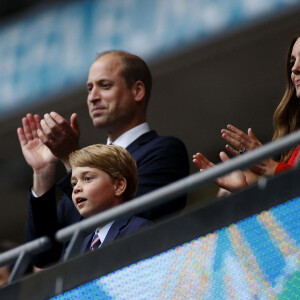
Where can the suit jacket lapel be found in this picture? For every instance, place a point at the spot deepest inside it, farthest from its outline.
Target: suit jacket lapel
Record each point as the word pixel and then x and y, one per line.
pixel 87 242
pixel 112 234
pixel 115 229
pixel 143 139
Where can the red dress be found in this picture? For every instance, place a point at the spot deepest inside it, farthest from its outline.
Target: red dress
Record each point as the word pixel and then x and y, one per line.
pixel 281 167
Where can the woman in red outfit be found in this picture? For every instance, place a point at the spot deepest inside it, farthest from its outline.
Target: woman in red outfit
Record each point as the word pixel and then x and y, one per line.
pixel 286 120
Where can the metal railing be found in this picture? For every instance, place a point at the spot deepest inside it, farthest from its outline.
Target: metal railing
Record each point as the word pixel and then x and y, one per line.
pixel 76 232
pixel 20 256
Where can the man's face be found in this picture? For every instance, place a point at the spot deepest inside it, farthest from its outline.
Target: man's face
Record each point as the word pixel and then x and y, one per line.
pixel 93 191
pixel 110 102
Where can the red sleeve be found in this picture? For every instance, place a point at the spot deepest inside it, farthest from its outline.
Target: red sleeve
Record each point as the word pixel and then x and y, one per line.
pixel 281 167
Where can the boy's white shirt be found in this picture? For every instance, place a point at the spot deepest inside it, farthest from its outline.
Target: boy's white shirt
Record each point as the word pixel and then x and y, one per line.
pixel 102 233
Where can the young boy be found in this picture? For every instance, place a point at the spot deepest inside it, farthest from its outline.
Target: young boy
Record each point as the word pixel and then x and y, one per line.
pixel 104 176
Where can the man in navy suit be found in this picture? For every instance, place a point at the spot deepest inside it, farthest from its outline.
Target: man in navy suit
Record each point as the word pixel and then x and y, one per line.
pixel 119 87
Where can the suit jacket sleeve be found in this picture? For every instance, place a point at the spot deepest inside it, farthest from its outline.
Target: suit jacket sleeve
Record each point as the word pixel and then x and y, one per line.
pixel 44 218
pixel 42 221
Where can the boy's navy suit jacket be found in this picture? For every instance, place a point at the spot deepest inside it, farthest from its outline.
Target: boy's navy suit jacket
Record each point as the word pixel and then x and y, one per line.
pixel 118 229
pixel 160 160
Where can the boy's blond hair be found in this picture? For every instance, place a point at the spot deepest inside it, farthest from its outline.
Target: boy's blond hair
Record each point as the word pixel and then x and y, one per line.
pixel 113 160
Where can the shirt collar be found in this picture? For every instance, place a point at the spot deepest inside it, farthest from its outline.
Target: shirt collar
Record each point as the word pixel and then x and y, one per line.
pixel 131 135
pixel 103 231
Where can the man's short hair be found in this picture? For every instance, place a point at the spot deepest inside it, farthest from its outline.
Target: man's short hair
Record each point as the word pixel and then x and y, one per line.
pixel 113 160
pixel 134 69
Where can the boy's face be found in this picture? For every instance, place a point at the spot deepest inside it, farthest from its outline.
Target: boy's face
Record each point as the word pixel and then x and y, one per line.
pixel 93 191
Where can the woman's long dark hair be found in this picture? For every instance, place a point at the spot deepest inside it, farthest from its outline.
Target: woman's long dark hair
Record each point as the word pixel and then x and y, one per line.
pixel 286 116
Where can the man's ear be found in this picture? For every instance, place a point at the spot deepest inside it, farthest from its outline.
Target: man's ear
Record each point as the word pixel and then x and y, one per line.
pixel 139 90
pixel 120 185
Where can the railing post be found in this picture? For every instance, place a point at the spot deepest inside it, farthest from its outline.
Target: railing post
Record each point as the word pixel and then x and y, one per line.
pixel 74 245
pixel 20 266
pixel 21 256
